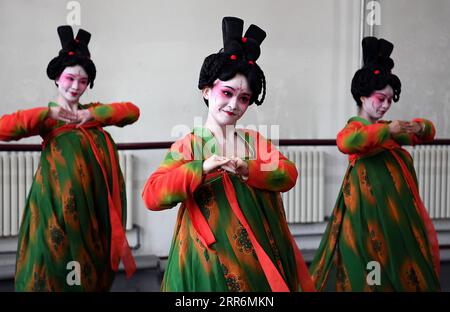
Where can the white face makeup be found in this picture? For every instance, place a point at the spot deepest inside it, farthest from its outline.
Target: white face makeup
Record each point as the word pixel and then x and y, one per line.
pixel 72 83
pixel 377 104
pixel 228 100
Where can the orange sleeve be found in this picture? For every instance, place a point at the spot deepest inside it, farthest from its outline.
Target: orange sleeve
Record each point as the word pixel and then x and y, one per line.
pixel 117 114
pixel 357 138
pixel 21 124
pixel 412 139
pixel 178 176
pixel 271 170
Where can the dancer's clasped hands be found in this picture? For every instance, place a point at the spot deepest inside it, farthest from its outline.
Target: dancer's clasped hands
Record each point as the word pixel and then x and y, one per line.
pixel 79 117
pixel 231 164
pixel 400 126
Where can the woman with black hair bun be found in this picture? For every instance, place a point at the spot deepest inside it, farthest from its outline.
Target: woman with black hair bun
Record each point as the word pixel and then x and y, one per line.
pixel 231 233
pixel 379 235
pixel 71 236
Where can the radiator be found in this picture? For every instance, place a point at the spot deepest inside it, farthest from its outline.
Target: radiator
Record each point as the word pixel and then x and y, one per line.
pixel 433 174
pixel 126 164
pixel 16 175
pixel 305 202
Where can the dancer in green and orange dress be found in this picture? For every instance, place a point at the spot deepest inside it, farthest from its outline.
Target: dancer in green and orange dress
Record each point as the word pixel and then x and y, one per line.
pixel 231 233
pixel 379 221
pixel 76 208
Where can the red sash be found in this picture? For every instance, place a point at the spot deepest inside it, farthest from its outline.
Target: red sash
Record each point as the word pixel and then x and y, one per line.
pixel 273 276
pixel 119 244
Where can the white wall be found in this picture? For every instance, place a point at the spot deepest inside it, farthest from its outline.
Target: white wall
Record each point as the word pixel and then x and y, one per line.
pixel 150 52
pixel 420 31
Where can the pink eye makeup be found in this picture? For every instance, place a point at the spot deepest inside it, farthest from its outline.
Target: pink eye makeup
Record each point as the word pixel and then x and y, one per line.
pixel 67 78
pixel 245 99
pixel 227 93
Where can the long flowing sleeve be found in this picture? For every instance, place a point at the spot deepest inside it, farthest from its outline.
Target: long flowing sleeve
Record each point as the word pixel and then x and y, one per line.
pixel 178 176
pixel 21 124
pixel 412 139
pixel 117 114
pixel 271 170
pixel 358 138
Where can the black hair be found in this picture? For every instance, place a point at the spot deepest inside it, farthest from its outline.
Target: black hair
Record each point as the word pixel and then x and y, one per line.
pixel 74 52
pixel 238 56
pixel 376 73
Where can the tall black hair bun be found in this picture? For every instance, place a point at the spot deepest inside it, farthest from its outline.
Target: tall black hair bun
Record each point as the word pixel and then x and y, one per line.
pixel 74 46
pixel 256 34
pixel 74 51
pixel 65 34
pixel 238 55
pixel 247 47
pixel 83 37
pixel 376 72
pixel 232 28
pixel 376 53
